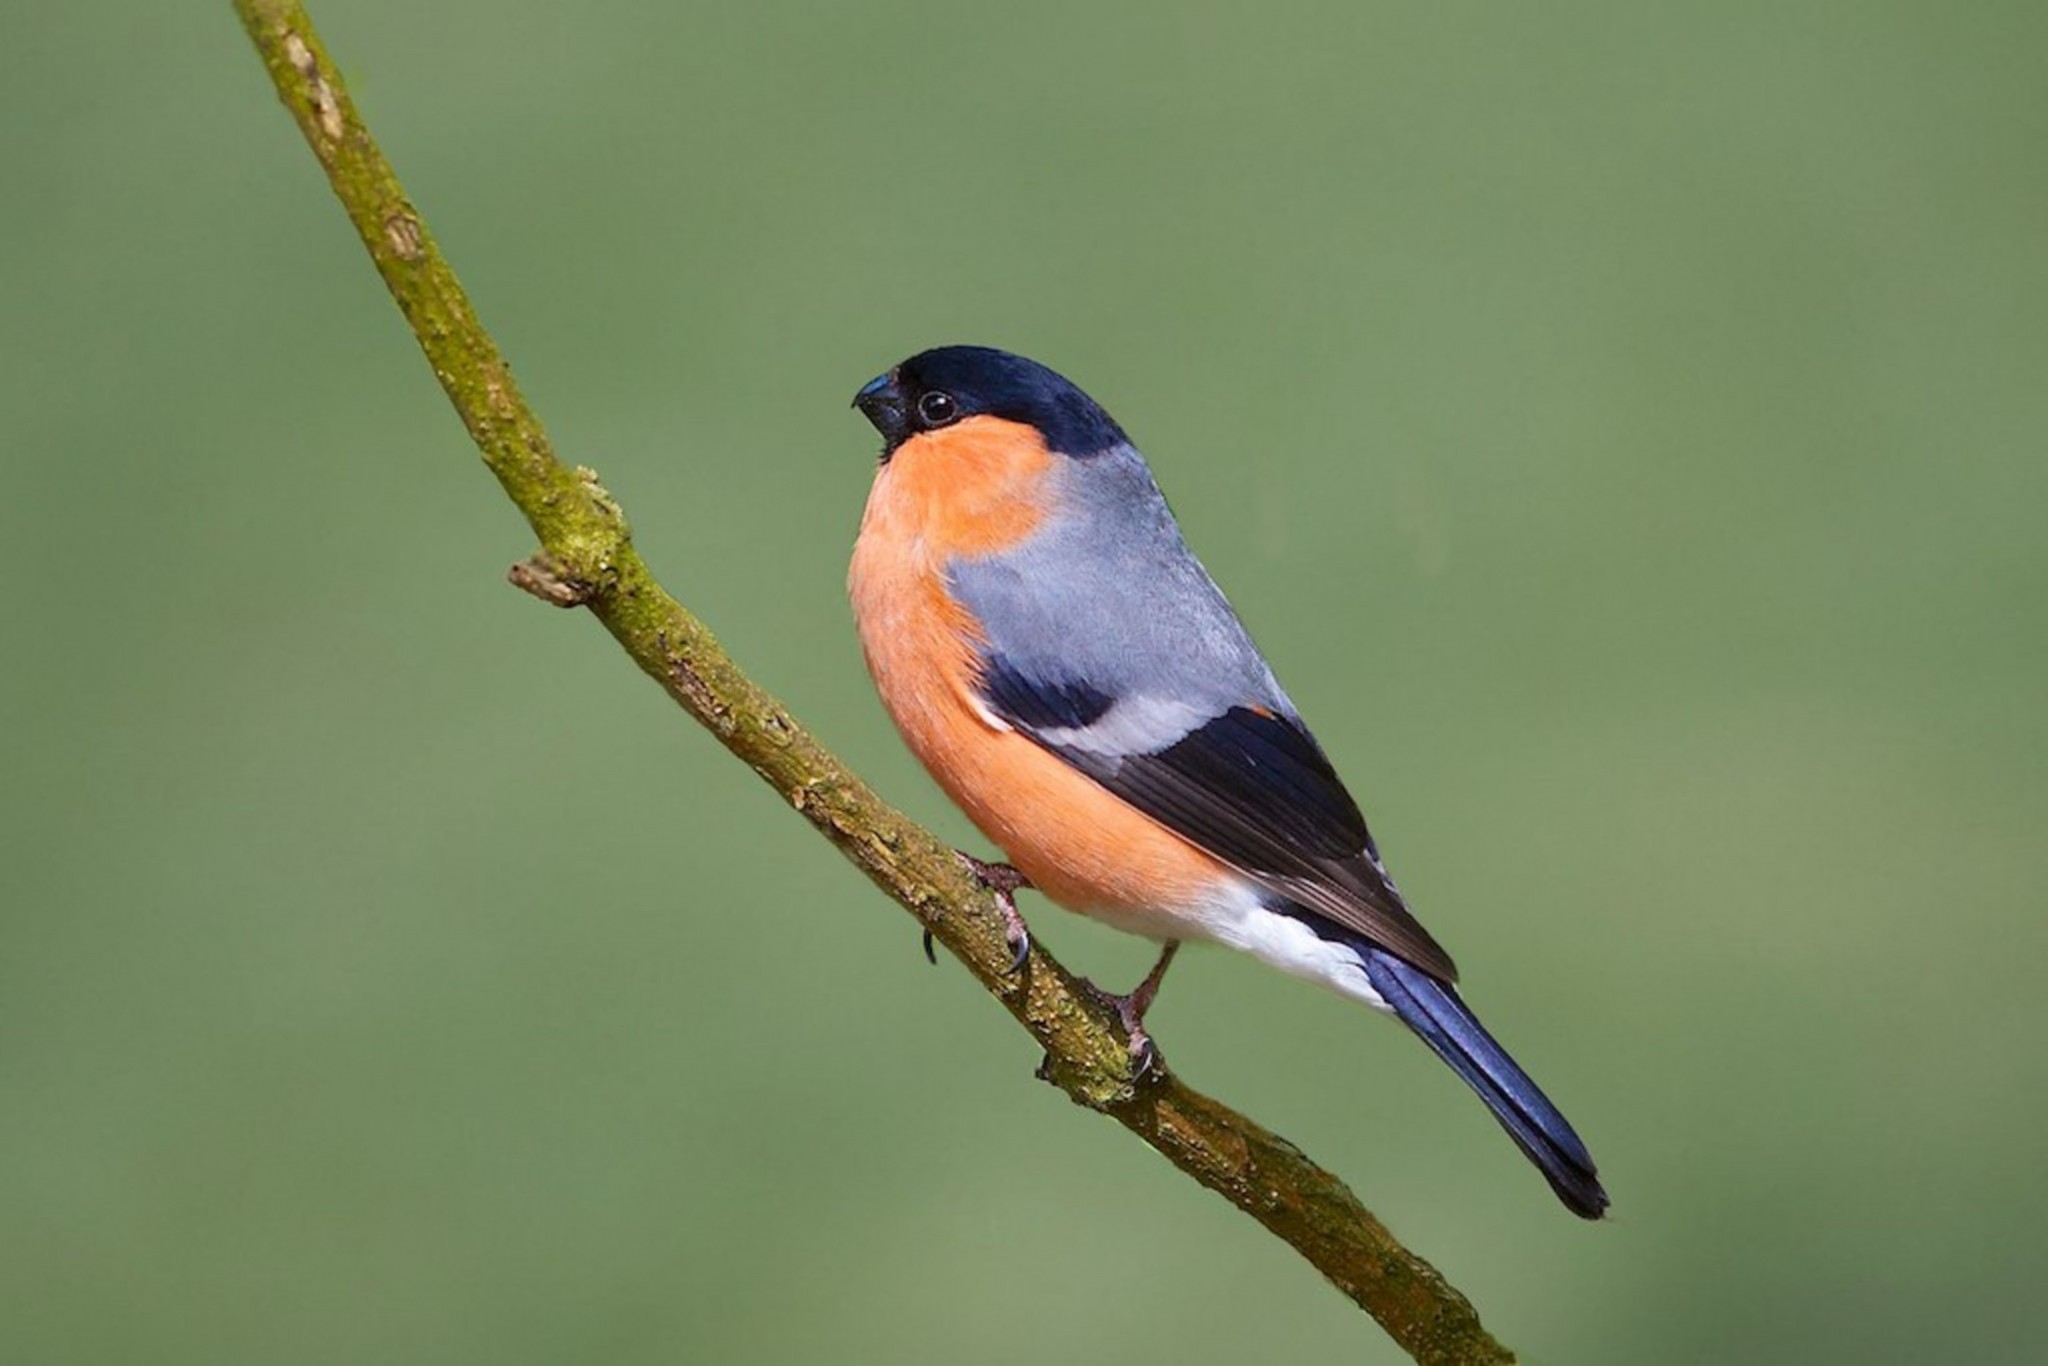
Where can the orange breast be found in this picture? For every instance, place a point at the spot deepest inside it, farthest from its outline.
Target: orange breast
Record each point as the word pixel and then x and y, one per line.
pixel 977 488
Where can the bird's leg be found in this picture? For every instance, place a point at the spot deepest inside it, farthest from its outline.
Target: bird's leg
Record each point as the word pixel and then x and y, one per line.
pixel 1005 882
pixel 1130 1010
pixel 1141 998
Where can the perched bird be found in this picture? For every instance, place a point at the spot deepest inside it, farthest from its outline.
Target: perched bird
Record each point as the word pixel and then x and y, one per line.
pixel 1057 657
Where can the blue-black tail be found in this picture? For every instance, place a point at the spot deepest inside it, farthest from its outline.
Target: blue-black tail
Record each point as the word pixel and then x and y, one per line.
pixel 1434 1011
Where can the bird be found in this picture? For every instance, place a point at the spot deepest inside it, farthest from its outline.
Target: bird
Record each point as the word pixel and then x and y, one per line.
pixel 1058 660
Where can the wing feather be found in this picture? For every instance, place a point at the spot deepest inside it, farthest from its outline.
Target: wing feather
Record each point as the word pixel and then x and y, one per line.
pixel 1251 786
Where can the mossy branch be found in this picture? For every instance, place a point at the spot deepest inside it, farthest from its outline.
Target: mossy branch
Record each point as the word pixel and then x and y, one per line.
pixel 587 559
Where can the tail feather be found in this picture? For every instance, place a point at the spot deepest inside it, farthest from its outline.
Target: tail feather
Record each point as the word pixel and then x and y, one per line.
pixel 1435 1012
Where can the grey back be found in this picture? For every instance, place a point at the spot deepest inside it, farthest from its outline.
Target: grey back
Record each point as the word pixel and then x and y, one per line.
pixel 1107 594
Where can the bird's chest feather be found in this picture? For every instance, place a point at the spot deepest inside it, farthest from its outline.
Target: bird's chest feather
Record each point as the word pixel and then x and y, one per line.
pixel 942 497
pixel 930 506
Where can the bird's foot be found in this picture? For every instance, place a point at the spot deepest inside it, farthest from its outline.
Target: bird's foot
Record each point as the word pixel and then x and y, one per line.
pixel 1005 882
pixel 1130 1013
pixel 1144 1053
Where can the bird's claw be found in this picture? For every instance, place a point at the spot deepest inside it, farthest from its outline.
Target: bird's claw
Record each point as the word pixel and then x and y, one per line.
pixel 1017 936
pixel 1144 1054
pixel 1005 882
pixel 1147 1059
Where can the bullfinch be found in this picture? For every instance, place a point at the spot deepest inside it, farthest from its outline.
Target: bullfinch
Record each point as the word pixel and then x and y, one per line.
pixel 1059 660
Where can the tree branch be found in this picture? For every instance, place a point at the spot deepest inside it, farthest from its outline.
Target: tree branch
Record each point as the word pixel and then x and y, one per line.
pixel 587 559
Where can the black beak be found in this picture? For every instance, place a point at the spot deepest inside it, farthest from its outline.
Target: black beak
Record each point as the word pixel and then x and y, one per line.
pixel 882 402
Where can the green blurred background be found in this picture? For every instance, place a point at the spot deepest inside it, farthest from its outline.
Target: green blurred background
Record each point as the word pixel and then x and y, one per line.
pixel 1623 425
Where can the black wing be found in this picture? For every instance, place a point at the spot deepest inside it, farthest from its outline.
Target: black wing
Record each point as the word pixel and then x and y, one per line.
pixel 1252 787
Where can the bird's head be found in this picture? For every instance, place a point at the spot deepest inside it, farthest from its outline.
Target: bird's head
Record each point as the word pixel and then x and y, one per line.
pixel 958 385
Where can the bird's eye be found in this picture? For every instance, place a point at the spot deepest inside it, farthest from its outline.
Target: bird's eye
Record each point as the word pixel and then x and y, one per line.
pixel 936 409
